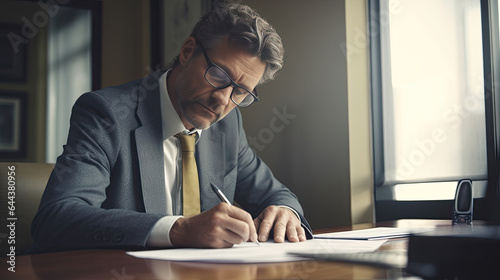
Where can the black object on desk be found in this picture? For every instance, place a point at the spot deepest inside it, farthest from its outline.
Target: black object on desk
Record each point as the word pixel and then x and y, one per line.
pixel 456 253
pixel 463 204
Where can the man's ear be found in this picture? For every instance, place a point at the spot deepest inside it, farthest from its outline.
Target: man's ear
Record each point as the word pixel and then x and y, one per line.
pixel 187 50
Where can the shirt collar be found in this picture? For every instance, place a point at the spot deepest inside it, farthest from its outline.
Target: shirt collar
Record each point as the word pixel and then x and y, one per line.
pixel 171 122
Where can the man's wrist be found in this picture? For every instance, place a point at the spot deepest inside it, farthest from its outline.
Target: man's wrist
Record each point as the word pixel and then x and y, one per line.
pixel 177 233
pixel 159 236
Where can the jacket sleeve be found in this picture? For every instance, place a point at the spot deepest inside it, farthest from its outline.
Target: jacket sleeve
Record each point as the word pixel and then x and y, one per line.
pixel 70 214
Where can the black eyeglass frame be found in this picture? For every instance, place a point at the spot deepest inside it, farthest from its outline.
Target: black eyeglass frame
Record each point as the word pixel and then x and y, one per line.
pixel 232 83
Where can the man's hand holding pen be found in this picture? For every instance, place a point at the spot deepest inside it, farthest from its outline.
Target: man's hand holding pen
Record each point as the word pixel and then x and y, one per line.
pixel 220 227
pixel 225 225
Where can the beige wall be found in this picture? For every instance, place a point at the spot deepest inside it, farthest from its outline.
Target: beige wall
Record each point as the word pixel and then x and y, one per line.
pixel 358 87
pixel 125 41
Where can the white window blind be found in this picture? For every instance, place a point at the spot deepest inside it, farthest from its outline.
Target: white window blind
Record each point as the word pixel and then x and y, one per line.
pixel 432 91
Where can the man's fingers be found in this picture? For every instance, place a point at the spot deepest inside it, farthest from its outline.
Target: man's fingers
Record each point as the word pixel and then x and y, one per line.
pixel 241 229
pixel 233 236
pixel 283 221
pixel 257 221
pixel 291 233
pixel 301 233
pixel 241 224
pixel 265 228
pixel 220 227
pixel 295 233
pixel 266 223
pixel 280 229
pixel 285 224
pixel 220 238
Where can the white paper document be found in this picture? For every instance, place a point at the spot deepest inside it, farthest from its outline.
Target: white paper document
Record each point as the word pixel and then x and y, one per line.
pixel 268 252
pixel 371 233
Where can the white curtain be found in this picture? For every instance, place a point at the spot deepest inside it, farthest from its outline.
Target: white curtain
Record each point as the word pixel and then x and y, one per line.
pixel 69 72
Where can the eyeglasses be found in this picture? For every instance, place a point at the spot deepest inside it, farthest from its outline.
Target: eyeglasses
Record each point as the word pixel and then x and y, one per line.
pixel 219 79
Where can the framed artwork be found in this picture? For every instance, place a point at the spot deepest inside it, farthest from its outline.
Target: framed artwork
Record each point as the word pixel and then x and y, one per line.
pixel 12 53
pixel 13 122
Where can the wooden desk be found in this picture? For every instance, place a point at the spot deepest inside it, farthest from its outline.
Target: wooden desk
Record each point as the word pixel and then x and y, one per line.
pixel 116 265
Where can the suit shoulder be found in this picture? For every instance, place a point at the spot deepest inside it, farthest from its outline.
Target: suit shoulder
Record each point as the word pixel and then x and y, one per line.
pixel 111 92
pixel 132 90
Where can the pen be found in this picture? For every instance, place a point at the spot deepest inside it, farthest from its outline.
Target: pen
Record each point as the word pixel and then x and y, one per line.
pixel 222 197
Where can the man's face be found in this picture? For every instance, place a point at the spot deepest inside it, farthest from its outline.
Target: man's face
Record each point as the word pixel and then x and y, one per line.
pixel 199 104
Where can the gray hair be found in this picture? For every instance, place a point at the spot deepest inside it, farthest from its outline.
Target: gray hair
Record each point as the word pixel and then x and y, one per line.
pixel 245 26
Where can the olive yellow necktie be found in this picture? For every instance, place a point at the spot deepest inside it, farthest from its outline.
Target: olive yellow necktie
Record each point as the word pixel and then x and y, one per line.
pixel 190 184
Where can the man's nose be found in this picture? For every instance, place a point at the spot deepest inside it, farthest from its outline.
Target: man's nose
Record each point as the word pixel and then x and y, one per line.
pixel 223 96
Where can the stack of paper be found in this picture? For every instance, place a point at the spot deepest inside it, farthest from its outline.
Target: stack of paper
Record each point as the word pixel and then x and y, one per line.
pixel 268 252
pixel 372 233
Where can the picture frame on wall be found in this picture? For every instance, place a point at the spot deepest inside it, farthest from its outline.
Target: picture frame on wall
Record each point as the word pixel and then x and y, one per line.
pixel 13 122
pixel 13 52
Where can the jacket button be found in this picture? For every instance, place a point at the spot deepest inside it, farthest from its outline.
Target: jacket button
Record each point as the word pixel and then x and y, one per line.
pixel 118 237
pixel 98 235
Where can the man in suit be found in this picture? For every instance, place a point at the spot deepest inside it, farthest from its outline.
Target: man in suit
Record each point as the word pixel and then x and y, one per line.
pixel 118 182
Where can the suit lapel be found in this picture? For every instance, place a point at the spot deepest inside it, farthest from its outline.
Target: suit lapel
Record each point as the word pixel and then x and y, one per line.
pixel 149 143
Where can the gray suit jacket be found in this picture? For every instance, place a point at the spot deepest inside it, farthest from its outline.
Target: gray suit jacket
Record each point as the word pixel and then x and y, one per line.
pixel 107 189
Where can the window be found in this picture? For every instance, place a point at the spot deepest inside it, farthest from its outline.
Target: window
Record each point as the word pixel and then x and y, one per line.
pixel 69 72
pixel 428 98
